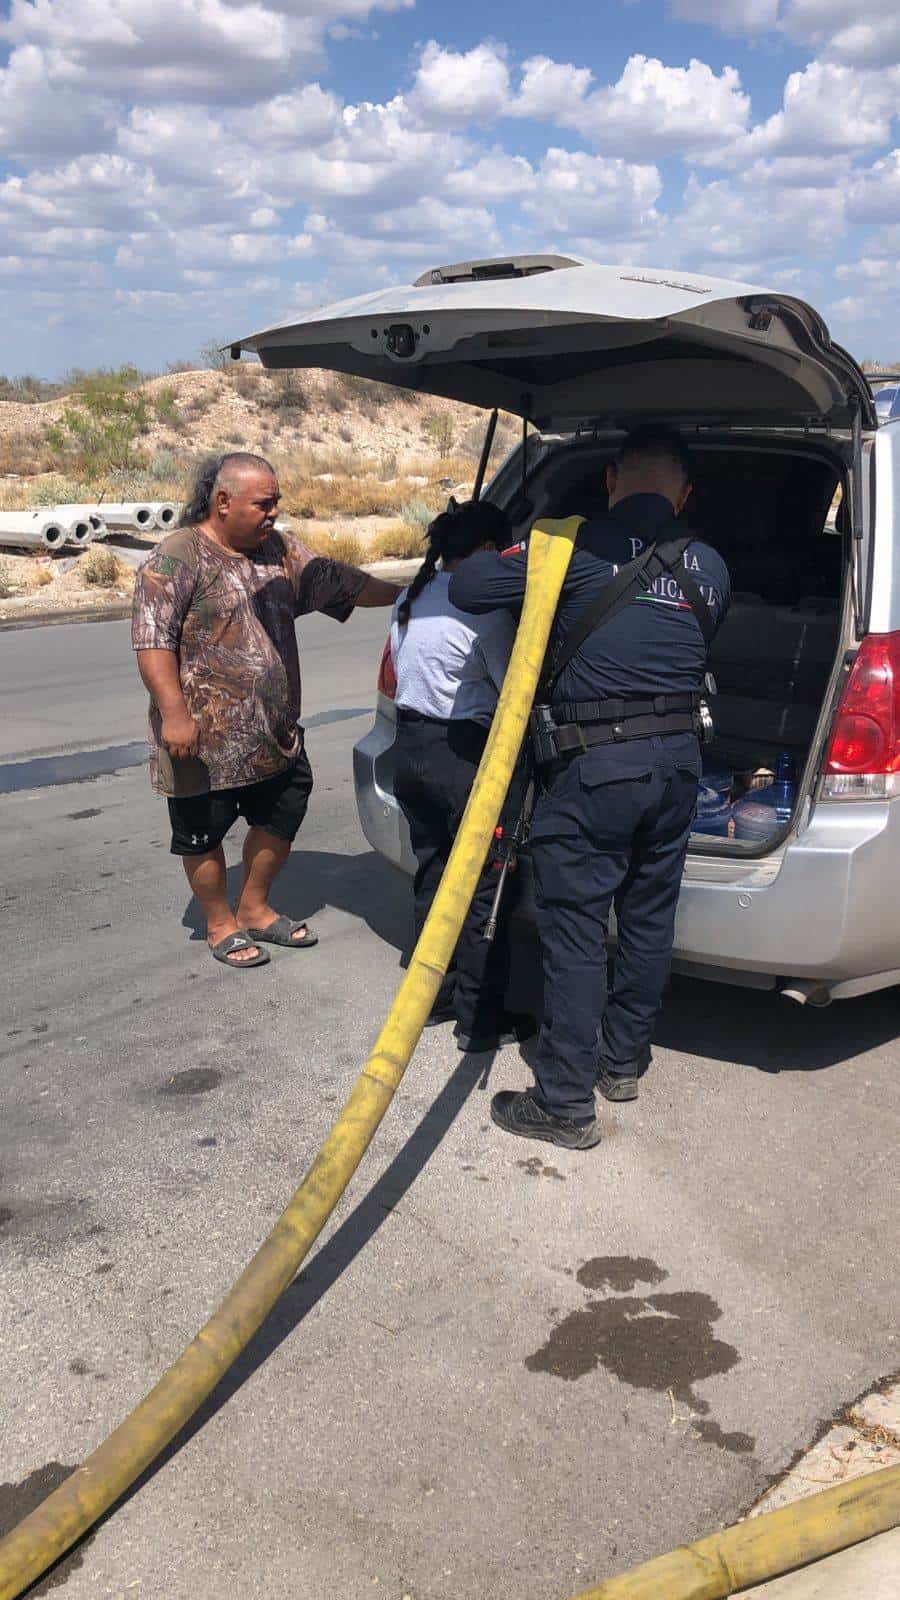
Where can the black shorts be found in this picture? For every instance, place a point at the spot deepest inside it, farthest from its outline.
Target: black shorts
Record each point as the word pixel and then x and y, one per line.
pixel 278 805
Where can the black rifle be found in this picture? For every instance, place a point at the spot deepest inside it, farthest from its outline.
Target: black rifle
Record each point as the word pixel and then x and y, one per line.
pixel 510 845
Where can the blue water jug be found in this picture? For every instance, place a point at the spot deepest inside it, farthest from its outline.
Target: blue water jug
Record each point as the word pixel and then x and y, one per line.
pixel 713 811
pixel 768 810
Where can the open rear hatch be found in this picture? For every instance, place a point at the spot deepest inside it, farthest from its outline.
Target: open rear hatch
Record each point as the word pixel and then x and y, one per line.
pixel 561 342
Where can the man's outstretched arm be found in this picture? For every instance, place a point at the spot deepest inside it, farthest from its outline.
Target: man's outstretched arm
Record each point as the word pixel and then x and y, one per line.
pixel 377 592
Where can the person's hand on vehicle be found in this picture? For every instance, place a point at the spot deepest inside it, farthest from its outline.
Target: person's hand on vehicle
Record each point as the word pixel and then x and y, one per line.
pixel 180 734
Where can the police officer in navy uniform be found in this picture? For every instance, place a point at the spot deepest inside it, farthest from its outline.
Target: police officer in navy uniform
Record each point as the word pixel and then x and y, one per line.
pixel 618 794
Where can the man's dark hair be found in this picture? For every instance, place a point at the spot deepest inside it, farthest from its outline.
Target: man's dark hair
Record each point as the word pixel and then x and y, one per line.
pixel 655 441
pixel 209 471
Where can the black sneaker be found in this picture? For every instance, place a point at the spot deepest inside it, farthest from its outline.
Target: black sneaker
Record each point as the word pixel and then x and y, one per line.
pixel 617 1085
pixel 512 1028
pixel 518 1112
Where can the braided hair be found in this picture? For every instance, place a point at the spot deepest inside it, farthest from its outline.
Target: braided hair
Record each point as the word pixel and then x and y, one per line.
pixel 199 504
pixel 453 535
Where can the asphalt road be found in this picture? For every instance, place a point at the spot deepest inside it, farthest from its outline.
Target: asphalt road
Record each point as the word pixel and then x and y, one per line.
pixel 507 1370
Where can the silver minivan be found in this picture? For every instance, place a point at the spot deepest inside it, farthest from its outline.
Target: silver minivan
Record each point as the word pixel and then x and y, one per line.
pixel 783 429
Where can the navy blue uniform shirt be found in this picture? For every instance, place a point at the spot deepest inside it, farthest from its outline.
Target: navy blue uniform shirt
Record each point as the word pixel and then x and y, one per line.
pixel 652 646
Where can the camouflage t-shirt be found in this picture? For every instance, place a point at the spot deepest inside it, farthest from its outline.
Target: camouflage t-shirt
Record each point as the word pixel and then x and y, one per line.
pixel 230 620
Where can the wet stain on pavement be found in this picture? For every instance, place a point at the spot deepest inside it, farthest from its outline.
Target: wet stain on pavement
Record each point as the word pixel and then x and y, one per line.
pixel 664 1342
pixel 6 1215
pixel 739 1444
pixel 620 1273
pixel 194 1080
pixel 79 1367
pixel 105 1266
pixel 47 771
pixel 536 1168
pixel 79 816
pixel 207 1144
pixel 18 1499
pixel 98 926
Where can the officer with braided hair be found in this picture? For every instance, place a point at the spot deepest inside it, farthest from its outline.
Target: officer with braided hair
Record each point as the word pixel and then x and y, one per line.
pixel 449 669
pixel 616 744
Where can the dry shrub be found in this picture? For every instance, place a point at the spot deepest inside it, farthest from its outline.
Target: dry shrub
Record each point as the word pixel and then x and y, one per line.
pixel 198 405
pixel 25 454
pixel 247 382
pixel 42 577
pixel 401 541
pixel 339 547
pixel 101 568
pixel 7 584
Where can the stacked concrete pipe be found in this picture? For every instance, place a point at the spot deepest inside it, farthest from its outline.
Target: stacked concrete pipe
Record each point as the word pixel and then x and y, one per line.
pixel 128 516
pixel 78 519
pixel 32 530
pixel 165 515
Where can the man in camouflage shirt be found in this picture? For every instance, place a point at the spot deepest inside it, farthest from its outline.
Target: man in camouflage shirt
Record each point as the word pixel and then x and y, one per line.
pixel 213 629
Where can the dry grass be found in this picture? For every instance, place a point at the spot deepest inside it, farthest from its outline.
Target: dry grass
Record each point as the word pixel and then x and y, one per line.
pixel 339 546
pixel 369 496
pixel 42 577
pixel 25 454
pixel 399 542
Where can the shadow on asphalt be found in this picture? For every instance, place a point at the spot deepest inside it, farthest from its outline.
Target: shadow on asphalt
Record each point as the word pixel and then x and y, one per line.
pixel 341 1250
pixel 364 885
pixel 761 1029
pixel 720 1022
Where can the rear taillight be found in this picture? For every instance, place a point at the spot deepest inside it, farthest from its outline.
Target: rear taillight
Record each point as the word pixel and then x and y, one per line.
pixel 864 755
pixel 387 677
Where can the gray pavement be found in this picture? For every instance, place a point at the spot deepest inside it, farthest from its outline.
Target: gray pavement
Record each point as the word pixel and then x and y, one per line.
pixel 508 1370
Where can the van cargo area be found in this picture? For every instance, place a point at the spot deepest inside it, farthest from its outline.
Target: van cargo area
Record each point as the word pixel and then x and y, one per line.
pixel 766 510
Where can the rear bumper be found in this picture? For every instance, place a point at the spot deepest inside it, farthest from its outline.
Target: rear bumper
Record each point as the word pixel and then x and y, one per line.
pixel 820 914
pixel 380 817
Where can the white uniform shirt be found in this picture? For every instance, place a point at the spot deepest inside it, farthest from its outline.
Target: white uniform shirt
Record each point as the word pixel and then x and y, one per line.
pixel 450 664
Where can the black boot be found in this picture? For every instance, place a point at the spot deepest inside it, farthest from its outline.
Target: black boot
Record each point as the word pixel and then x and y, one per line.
pixel 617 1085
pixel 511 1027
pixel 518 1112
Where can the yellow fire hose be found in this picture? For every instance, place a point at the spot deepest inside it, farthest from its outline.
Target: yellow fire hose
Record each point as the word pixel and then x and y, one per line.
pixel 714 1567
pixel 725 1563
pixel 112 1468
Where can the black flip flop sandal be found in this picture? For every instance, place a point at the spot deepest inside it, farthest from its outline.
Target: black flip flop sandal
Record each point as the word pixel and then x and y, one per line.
pixel 238 941
pixel 281 932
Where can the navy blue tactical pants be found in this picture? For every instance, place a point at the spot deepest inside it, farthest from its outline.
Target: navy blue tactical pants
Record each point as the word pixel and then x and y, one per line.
pixel 611 827
pixel 436 763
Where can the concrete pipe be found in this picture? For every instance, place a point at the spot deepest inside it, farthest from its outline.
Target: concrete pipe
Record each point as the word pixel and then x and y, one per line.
pixel 80 532
pixel 136 515
pixel 32 530
pixel 165 515
pixel 70 514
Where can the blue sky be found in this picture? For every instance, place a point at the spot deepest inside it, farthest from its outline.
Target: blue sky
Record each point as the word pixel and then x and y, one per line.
pixel 181 173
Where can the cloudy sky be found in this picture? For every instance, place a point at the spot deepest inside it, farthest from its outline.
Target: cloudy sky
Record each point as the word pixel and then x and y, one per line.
pixel 183 170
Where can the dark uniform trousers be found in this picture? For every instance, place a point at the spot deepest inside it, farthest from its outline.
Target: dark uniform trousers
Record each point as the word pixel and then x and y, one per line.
pixel 435 769
pixel 611 827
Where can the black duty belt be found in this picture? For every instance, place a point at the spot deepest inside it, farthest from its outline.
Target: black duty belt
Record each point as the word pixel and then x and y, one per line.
pixel 621 709
pixel 573 726
pixel 581 736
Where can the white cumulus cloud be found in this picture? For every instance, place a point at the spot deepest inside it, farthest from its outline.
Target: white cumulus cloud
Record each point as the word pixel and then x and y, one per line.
pixel 655 110
pixel 875 193
pixel 461 87
pixel 826 108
